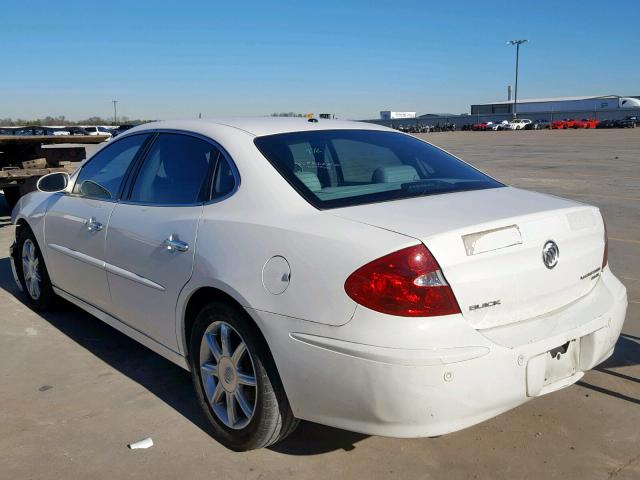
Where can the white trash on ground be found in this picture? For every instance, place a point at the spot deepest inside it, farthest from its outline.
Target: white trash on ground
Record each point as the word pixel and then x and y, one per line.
pixel 144 443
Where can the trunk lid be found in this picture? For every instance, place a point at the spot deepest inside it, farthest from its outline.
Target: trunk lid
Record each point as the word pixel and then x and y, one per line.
pixel 489 244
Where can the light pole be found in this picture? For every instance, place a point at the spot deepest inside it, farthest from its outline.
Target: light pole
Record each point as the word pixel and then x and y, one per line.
pixel 115 111
pixel 517 43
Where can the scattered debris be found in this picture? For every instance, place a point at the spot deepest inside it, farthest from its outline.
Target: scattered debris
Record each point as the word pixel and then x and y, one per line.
pixel 144 443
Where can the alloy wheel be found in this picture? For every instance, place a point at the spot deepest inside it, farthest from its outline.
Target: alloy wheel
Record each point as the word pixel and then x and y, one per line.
pixel 31 269
pixel 228 375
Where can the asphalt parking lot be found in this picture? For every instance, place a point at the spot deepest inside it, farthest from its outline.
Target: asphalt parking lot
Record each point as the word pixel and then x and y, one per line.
pixel 74 392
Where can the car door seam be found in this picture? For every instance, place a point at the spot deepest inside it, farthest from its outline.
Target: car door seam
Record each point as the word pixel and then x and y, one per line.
pixel 177 320
pixel 104 252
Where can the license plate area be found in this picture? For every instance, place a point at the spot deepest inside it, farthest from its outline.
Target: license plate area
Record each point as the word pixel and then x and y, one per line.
pixel 561 362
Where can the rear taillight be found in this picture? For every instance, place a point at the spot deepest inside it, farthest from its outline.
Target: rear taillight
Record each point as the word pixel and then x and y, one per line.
pixel 408 283
pixel 605 257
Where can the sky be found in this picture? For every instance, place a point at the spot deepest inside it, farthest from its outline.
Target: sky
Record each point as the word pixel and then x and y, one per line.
pixel 179 59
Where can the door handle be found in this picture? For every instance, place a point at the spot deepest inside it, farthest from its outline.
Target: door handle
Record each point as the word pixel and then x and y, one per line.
pixel 93 225
pixel 173 243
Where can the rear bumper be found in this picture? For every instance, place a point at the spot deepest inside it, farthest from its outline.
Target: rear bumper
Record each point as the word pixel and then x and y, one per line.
pixel 413 377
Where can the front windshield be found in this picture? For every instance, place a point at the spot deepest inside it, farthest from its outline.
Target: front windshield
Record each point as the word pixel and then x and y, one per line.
pixel 338 168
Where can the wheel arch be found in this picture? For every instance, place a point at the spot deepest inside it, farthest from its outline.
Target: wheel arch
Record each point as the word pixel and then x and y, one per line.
pixel 196 300
pixel 21 223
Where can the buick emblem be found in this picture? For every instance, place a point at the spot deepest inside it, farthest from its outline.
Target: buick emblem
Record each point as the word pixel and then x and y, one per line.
pixel 550 254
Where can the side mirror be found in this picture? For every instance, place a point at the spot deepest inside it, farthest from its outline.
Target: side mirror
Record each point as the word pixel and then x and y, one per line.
pixel 53 182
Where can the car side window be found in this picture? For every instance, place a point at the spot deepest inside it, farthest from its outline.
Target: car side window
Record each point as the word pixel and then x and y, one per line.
pixel 224 181
pixel 102 176
pixel 176 171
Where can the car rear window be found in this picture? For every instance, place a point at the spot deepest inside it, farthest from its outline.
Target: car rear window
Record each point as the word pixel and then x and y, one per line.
pixel 340 168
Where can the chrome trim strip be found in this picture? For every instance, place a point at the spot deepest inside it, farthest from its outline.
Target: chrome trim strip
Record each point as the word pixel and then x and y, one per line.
pixel 134 277
pixel 121 272
pixel 77 255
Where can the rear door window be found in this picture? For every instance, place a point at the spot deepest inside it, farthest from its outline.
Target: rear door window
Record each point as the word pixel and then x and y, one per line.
pixel 176 171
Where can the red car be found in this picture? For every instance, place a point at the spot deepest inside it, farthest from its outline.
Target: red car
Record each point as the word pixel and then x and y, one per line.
pixel 590 123
pixel 571 123
pixel 479 127
pixel 567 123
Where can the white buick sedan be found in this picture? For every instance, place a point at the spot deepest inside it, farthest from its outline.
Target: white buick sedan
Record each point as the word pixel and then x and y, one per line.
pixel 337 272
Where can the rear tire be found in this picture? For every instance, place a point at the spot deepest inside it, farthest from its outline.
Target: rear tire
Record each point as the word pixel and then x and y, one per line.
pixel 32 272
pixel 236 380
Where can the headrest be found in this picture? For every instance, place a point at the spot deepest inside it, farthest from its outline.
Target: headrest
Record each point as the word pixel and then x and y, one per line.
pixel 401 173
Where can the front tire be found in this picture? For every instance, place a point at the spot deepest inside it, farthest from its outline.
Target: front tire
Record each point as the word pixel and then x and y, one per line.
pixel 236 380
pixel 32 272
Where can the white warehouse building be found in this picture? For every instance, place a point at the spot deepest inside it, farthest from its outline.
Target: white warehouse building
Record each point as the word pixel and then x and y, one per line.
pixel 561 104
pixel 389 115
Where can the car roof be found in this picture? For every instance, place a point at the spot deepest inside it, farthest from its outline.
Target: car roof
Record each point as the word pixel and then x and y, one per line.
pixel 259 126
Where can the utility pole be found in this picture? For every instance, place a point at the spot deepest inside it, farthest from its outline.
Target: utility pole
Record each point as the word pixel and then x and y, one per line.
pixel 517 43
pixel 115 111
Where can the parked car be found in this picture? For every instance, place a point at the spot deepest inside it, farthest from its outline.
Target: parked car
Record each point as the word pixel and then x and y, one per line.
pixel 479 127
pixel 121 129
pixel 538 125
pixel 497 125
pixel 76 131
pixel 494 126
pixel 34 130
pixel 98 131
pixel 407 295
pixel 590 123
pixel 628 122
pixel 573 123
pixel 518 124
pixel 566 123
pixel 583 123
pixel 607 124
pixel 58 132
